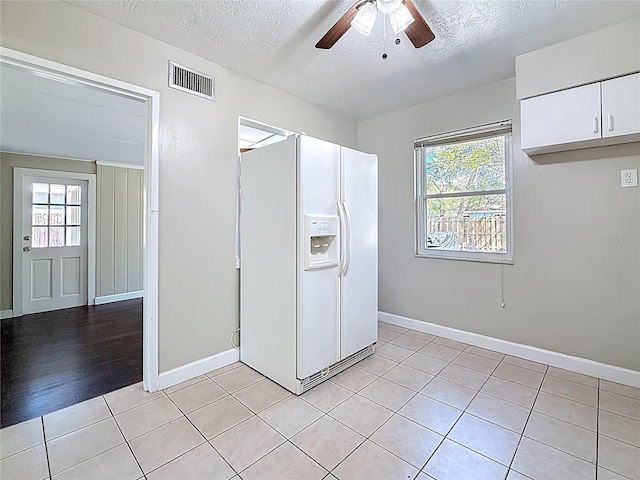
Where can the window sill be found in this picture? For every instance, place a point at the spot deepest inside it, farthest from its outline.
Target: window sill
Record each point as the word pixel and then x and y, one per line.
pixel 496 258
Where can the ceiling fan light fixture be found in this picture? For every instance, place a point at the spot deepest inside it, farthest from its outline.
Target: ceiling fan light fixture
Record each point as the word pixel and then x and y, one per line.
pixel 388 6
pixel 400 19
pixel 365 18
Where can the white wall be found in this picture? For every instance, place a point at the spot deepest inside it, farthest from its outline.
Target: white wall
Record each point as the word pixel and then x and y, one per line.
pixel 599 55
pixel 198 284
pixel 572 289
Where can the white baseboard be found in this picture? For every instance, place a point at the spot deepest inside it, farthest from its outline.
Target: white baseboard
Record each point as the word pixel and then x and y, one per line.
pixel 190 370
pixel 555 359
pixel 6 314
pixel 118 297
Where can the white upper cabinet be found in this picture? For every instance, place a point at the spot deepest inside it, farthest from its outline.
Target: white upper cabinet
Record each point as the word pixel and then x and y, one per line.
pixel 621 106
pixel 597 114
pixel 561 118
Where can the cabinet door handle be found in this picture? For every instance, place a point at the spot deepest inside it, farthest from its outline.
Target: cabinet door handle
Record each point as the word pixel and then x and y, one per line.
pixel 595 124
pixel 610 122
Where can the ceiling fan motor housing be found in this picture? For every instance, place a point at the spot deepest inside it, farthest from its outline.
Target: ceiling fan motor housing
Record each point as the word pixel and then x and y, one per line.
pixel 388 6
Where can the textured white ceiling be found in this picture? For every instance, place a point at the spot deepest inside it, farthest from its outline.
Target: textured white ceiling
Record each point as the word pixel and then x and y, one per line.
pixel 273 41
pixel 50 115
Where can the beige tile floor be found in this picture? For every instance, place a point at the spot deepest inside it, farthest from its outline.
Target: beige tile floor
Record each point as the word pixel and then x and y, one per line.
pixel 420 408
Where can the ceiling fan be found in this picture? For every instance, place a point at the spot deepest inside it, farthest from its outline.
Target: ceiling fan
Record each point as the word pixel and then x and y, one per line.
pixel 403 16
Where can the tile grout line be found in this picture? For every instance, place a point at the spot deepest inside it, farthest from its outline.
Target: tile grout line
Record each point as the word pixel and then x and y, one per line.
pixel 383 423
pixel 619 394
pixel 416 392
pixel 229 394
pixel 122 433
pixel 367 437
pixel 527 421
pixel 618 440
pixel 226 394
pixel 334 407
pixel 326 414
pixel 567 398
pixel 445 437
pixel 186 386
pixel 520 366
pixel 556 448
pixel 465 411
pixel 426 354
pixel 46 447
pixel 540 390
pixel 184 415
pixel 87 426
pixel 423 426
pixel 305 453
pixel 578 383
pixel 562 451
pixel 508 401
pixel 254 414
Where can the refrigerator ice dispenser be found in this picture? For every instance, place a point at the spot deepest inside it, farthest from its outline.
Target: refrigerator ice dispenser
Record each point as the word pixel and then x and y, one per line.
pixel 321 249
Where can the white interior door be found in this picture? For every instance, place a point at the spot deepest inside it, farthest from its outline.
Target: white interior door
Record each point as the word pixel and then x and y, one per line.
pixel 52 215
pixel 359 284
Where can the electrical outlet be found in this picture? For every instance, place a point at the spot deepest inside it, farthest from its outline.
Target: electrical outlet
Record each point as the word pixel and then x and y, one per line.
pixel 629 178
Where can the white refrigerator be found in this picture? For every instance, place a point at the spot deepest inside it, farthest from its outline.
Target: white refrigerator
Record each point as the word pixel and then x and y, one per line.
pixel 309 260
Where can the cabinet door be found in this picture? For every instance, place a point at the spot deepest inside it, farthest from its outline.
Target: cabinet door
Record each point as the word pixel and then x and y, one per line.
pixel 560 118
pixel 621 106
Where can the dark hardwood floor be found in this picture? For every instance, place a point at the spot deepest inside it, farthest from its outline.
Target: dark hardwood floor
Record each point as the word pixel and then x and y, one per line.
pixel 55 359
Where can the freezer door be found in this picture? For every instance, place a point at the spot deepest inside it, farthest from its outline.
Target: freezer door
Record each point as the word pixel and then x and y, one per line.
pixel 359 283
pixel 318 288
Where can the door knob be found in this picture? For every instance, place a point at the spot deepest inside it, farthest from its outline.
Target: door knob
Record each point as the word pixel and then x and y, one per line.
pixel 26 238
pixel 26 249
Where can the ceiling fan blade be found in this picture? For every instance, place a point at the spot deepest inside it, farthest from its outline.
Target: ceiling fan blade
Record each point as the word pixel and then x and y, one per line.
pixel 418 32
pixel 341 27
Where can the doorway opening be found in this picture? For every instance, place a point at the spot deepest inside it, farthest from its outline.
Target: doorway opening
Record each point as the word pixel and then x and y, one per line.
pixel 253 134
pixel 79 158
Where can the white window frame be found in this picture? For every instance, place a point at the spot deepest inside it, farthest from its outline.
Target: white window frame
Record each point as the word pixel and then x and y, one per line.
pixel 499 128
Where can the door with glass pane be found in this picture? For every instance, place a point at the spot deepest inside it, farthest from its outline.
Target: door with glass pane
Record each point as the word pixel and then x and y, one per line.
pixel 53 243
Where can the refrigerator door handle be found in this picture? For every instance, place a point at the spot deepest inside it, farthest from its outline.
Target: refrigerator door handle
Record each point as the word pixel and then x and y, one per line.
pixel 342 236
pixel 347 241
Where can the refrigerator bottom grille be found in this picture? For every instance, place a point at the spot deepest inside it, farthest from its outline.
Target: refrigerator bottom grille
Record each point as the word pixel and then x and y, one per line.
pixel 317 378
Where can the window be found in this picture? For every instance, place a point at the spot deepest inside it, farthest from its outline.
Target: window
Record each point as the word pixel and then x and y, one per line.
pixel 55 215
pixel 463 194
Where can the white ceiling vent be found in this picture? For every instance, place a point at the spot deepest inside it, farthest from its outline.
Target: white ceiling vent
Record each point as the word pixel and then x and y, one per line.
pixel 191 81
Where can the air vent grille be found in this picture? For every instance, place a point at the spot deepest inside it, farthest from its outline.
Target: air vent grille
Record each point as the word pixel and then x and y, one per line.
pixel 317 378
pixel 191 81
